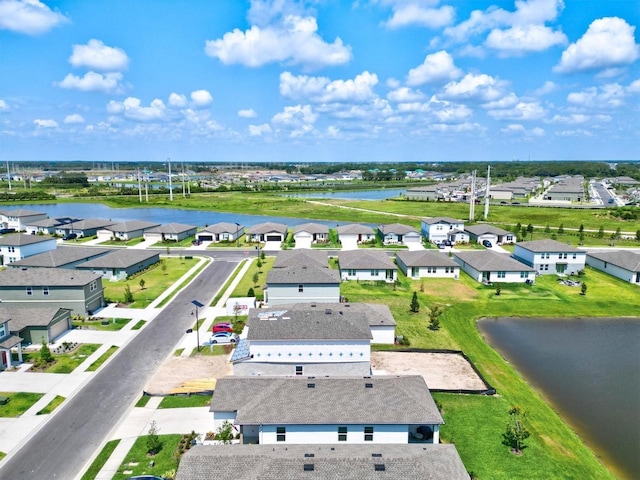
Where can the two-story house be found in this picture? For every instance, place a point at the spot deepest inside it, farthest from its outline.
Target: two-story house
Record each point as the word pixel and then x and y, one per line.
pixel 7 342
pixel 16 246
pixel 372 265
pixel 487 266
pixel 444 229
pixel 550 256
pixel 19 218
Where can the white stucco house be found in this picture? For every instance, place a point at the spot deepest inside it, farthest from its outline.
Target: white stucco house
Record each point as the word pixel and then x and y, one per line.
pixel 302 284
pixel 221 232
pixel 267 232
pixel 355 233
pixel 442 229
pixel 19 218
pixel 550 256
pixel 309 233
pixel 497 236
pixel 427 264
pixel 370 265
pixel 126 230
pixel 16 246
pixel 488 266
pixel 398 234
pixel 170 232
pixel 384 409
pixel 47 226
pixel 622 264
pixel 84 228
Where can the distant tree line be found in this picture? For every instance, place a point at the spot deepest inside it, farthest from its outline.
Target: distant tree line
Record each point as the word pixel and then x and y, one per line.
pixel 67 180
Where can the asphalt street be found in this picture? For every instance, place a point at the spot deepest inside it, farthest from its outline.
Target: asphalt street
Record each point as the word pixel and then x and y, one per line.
pixel 64 445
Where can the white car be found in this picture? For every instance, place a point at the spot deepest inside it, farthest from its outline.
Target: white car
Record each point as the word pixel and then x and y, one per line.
pixel 223 337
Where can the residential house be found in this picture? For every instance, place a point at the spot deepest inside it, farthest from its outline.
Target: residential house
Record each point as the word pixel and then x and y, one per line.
pixel 497 236
pixel 61 257
pixel 550 257
pixel 427 264
pixel 430 193
pixel 37 324
pixel 398 234
pixel 267 232
pixel 120 263
pixel 384 409
pixel 302 283
pixel 371 265
pixel 7 342
pixel 345 461
pixel 84 228
pixel 170 232
pixel 310 233
pixel 47 226
pixel 19 218
pixel 488 266
pixel 79 291
pixel 442 229
pixel 221 232
pixel 355 233
pixel 16 246
pixel 304 339
pixel 623 264
pixel 569 189
pixel 125 231
pixel 297 258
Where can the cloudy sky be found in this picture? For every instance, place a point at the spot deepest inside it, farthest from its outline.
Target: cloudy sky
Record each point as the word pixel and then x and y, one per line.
pixel 325 80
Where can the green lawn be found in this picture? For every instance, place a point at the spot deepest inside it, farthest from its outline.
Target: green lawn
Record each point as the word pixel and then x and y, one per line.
pixel 184 401
pixel 19 402
pixel 95 323
pixel 53 404
pixel 103 358
pixel 223 290
pixel 138 325
pixel 186 281
pixel 137 460
pixel 247 281
pixel 100 460
pixel 63 362
pixel 122 243
pixel 210 350
pixel 143 400
pixel 157 281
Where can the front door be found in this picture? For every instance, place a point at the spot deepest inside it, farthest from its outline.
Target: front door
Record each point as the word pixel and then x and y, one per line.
pixel 561 267
pixel 638 277
pixel 389 275
pixel 486 276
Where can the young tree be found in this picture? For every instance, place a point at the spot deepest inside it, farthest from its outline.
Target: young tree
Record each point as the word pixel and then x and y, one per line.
pixel 255 279
pixel 618 233
pixel 163 266
pixel 45 353
pixel 251 293
pixel 638 235
pixel 262 255
pixel 516 431
pixel 547 229
pixel 581 229
pixel 128 295
pixel 434 317
pixel 583 289
pixel 154 445
pixel 530 229
pixel 561 229
pixel 518 227
pixel 581 237
pixel 141 283
pixel 225 432
pixel 259 263
pixel 415 306
pixel 498 289
pixel 601 232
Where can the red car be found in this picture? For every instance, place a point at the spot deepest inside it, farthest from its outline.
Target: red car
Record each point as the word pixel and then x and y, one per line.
pixel 222 327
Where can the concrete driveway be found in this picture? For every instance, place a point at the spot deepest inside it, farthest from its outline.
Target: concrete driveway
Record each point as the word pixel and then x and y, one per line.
pixel 304 242
pixel 414 246
pixel 349 244
pixel 270 246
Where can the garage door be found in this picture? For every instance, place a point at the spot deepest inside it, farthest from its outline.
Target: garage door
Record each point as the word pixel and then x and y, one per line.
pixel 274 238
pixel 58 329
pixel 205 238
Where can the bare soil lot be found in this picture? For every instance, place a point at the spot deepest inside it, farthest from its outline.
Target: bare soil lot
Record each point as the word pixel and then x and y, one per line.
pixel 447 371
pixel 178 370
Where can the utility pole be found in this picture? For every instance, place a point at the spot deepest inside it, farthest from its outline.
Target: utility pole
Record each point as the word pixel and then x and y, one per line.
pixel 188 182
pixel 139 186
pixel 472 201
pixel 487 193
pixel 146 185
pixel 170 185
pixel 183 190
pixel 8 175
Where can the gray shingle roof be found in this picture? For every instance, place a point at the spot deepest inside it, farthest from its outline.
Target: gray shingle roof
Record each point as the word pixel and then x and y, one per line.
pixel 131 226
pixel 120 258
pixel 330 462
pixel 396 228
pixel 311 228
pixel 364 259
pixel 333 400
pixel 376 313
pixel 423 258
pixel 355 229
pixel 22 317
pixel 488 261
pixel 60 257
pixel 223 227
pixel 52 277
pixel 90 224
pixel 51 222
pixel 547 245
pixel 620 258
pixel 302 258
pixel 20 239
pixel 303 275
pixel 20 212
pixel 484 228
pixel 267 227
pixel 319 323
pixel 171 228
pixel 434 220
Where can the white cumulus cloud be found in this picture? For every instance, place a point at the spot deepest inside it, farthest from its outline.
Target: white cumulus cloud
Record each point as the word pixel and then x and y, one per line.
pixel 201 98
pixel 608 43
pixel 323 90
pixel 437 68
pixel 259 130
pixel 294 41
pixel 295 116
pixel 405 94
pixel 28 16
pixel 178 100
pixel 521 111
pixel 45 123
pixel 482 88
pixel 247 113
pixel 93 82
pixel 523 39
pixel 611 95
pixel 417 13
pixel 96 55
pixel 74 118
pixel 4 107
pixel 132 108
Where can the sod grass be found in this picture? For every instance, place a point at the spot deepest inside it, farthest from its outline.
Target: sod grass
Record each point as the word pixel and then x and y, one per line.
pixel 19 402
pixel 62 362
pixel 101 459
pixel 142 401
pixel 52 405
pixel 185 401
pixel 95 323
pixel 247 280
pixel 103 358
pixel 138 462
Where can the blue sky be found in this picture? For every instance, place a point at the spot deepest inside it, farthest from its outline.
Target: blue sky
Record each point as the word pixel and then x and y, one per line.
pixel 326 80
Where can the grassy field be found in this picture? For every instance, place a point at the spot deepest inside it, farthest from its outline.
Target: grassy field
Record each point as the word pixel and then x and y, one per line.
pixel 19 402
pixel 101 459
pixel 103 358
pixel 53 404
pixel 186 281
pixel 156 281
pixel 183 401
pixel 137 460
pixel 247 281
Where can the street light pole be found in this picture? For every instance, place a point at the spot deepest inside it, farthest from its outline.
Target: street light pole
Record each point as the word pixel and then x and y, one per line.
pixel 170 185
pixel 197 305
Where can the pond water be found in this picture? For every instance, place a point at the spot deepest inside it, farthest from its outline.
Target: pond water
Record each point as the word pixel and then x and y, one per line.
pixel 589 369
pixel 354 195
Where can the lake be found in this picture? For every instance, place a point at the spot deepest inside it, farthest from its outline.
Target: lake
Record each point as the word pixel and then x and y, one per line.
pixel 354 195
pixel 589 370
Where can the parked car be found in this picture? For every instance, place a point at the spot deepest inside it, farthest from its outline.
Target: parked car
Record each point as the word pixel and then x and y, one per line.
pixel 7 230
pixel 197 241
pixel 487 243
pixel 223 337
pixel 447 243
pixel 222 327
pixel 70 236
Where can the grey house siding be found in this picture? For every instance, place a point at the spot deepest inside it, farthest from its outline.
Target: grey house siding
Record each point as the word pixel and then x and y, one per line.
pixel 278 294
pixel 78 299
pixel 309 369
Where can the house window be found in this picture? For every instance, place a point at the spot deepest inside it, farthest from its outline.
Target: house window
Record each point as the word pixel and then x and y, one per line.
pixel 29 291
pixel 574 256
pixel 93 286
pixel 374 273
pixel 342 434
pixel 524 274
pixel 415 271
pixel 502 274
pixel 546 266
pixel 351 273
pixel 298 369
pixel 3 331
pixel 281 434
pixel 300 288
pixel 368 434
pixel 448 269
pixel 12 249
pixel 45 291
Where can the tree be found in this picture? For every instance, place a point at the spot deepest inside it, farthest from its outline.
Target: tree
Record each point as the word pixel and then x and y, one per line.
pixel 262 255
pixel 498 289
pixel 561 229
pixel 601 232
pixel 154 445
pixel 45 353
pixel 259 263
pixel 583 289
pixel 581 229
pixel 518 227
pixel 415 306
pixel 251 293
pixel 516 431
pixel 581 237
pixel 434 317
pixel 638 235
pixel 225 432
pixel 618 232
pixel 530 228
pixel 256 277
pixel 142 283
pixel 128 295
pixel 164 267
pixel 547 229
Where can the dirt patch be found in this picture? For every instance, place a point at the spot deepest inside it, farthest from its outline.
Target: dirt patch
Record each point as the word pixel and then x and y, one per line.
pixel 177 370
pixel 446 371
